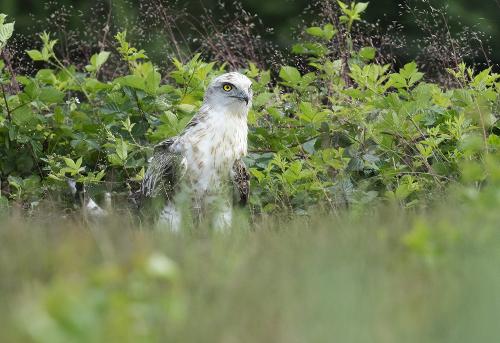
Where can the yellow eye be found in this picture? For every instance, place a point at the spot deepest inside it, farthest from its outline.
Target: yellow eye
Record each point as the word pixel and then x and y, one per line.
pixel 227 87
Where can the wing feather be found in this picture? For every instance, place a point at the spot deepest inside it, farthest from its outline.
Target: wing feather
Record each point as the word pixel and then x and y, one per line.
pixel 165 170
pixel 166 167
pixel 241 182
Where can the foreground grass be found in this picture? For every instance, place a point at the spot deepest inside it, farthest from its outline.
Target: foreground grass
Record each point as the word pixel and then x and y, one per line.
pixel 385 277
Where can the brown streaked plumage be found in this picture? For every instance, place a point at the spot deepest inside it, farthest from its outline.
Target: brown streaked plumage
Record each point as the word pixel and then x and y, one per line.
pixel 206 158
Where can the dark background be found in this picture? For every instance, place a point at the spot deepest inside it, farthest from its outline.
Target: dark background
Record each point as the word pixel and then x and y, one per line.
pixel 286 15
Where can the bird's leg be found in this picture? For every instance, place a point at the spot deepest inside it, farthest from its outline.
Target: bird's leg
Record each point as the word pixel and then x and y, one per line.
pixel 222 217
pixel 197 211
pixel 170 218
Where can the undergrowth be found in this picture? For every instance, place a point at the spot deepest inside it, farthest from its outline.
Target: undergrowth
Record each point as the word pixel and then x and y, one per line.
pixel 342 130
pixel 416 163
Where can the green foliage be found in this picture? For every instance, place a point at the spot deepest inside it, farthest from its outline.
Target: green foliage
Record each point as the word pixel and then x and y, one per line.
pixel 97 61
pixel 326 32
pixel 352 13
pixel 316 140
pixel 6 31
pixel 347 132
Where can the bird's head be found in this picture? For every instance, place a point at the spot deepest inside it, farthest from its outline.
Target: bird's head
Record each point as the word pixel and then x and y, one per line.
pixel 230 92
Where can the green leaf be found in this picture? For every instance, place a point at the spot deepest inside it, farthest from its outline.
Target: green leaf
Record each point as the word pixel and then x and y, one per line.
pixel 152 82
pixel 367 53
pixel 79 163
pixel 360 7
pixel 133 81
pixel 94 85
pixel 315 49
pixel 407 76
pixel 6 31
pixel 290 74
pixel 70 163
pixel 315 31
pixel 97 60
pixel 51 95
pixel 329 31
pixel 35 55
pixel 415 78
pixel 122 149
pixel 408 69
pixel 186 108
pixel 115 160
pixel 46 76
pixel 101 58
pixel 257 174
pixel 310 114
pixel 15 181
pixel 326 32
pixel 398 81
pixel 342 5
pixel 24 116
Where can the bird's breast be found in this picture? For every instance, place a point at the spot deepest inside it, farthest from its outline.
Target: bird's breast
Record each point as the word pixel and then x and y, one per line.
pixel 211 149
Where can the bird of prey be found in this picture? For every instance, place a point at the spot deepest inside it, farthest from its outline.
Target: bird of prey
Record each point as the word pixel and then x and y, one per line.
pixel 205 160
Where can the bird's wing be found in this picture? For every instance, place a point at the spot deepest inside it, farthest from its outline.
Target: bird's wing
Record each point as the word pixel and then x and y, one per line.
pixel 168 167
pixel 165 171
pixel 241 181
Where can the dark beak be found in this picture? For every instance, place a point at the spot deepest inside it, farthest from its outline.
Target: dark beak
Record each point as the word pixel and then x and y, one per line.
pixel 242 97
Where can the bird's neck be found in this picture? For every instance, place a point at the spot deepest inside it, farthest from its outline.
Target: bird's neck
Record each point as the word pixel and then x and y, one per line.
pixel 233 111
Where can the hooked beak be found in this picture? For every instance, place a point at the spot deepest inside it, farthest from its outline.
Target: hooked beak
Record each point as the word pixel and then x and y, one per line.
pixel 245 99
pixel 242 97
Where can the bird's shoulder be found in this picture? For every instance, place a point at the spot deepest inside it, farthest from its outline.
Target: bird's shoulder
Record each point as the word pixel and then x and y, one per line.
pixel 171 145
pixel 199 118
pixel 166 144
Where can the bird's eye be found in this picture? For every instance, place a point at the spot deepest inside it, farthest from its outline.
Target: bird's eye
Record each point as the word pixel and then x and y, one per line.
pixel 227 87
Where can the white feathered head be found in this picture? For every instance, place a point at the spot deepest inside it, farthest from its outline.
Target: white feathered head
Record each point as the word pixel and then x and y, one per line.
pixel 230 92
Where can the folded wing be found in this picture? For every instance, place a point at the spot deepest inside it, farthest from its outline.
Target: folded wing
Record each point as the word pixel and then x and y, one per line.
pixel 165 171
pixel 241 182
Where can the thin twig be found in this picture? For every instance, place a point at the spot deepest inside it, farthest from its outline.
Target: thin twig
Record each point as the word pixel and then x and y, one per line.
pixel 102 44
pixel 13 82
pixel 9 117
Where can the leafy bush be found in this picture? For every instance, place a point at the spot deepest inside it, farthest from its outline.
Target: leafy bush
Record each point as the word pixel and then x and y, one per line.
pixel 344 131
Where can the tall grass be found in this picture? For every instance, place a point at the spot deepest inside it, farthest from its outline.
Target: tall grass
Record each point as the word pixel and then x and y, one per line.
pixel 362 275
pixel 389 276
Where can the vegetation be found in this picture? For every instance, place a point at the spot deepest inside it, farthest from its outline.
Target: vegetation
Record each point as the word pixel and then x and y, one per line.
pixel 420 24
pixel 348 132
pixel 374 188
pixel 383 277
